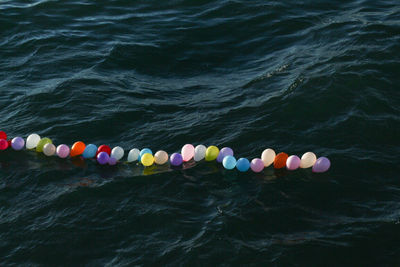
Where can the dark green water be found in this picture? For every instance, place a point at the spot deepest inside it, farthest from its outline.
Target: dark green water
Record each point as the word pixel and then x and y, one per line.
pixel 318 76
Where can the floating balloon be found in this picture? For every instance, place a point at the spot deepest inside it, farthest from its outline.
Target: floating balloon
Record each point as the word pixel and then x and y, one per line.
pixel 293 163
pixel 147 159
pixel 176 159
pixel 133 154
pixel 187 152
pixel 229 162
pixel 104 148
pixel 199 152
pixel 90 151
pixel 144 151
pixel 161 157
pixel 3 144
pixel 62 151
pixel 32 141
pixel 3 135
pixel 49 149
pixel 42 142
pixel 77 148
pixel 257 165
pixel 226 151
pixel 268 156
pixel 321 165
pixel 17 143
pixel 117 153
pixel 307 160
pixel 280 160
pixel 103 158
pixel 212 153
pixel 242 164
pixel 112 161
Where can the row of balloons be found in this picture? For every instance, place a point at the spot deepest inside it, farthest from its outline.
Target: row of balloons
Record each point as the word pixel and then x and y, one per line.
pixel 105 155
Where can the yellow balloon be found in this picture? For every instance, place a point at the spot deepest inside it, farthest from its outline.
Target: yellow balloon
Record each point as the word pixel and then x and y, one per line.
pixel 212 153
pixel 147 159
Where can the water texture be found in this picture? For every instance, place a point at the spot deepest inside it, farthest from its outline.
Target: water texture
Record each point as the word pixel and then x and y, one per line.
pixel 295 76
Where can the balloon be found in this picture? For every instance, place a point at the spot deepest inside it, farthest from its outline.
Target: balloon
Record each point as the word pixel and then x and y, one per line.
pixel 199 152
pixel 3 144
pixel 229 162
pixel 280 160
pixel 62 151
pixel 112 161
pixel 77 148
pixel 17 143
pixel 307 160
pixel 321 165
pixel 212 153
pixel 104 148
pixel 3 135
pixel 117 153
pixel 226 151
pixel 133 154
pixel 242 164
pixel 49 149
pixel 187 152
pixel 42 142
pixel 176 159
pixel 144 151
pixel 103 158
pixel 90 151
pixel 293 162
pixel 32 141
pixel 257 165
pixel 268 156
pixel 161 157
pixel 147 159
pixel 9 142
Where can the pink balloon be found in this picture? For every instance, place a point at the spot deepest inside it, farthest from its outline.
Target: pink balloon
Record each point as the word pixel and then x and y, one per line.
pixel 187 152
pixel 3 144
pixel 293 162
pixel 62 151
pixel 257 165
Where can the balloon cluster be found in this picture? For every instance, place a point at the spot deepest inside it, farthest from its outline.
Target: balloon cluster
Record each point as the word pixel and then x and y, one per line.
pixel 105 155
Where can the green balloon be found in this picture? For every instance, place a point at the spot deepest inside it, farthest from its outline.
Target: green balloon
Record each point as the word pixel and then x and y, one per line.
pixel 42 142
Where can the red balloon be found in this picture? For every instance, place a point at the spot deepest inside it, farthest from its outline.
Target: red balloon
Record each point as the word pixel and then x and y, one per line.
pixel 9 143
pixel 3 144
pixel 3 135
pixel 104 148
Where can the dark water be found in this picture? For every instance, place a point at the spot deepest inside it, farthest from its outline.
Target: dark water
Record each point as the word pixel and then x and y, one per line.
pixel 318 76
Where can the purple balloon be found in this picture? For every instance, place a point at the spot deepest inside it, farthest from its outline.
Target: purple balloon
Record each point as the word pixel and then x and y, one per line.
pixel 226 151
pixel 176 159
pixel 257 165
pixel 321 165
pixel 293 162
pixel 17 143
pixel 112 161
pixel 62 151
pixel 103 158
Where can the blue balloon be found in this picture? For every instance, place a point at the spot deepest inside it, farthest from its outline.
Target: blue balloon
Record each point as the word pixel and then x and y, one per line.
pixel 144 151
pixel 229 162
pixel 90 151
pixel 243 164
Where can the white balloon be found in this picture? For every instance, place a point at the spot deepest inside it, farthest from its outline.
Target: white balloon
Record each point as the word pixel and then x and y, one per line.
pixel 308 160
pixel 117 153
pixel 160 157
pixel 133 154
pixel 199 152
pixel 32 141
pixel 49 149
pixel 268 156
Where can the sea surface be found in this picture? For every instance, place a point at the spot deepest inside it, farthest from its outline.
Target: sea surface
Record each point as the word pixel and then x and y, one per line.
pixel 295 76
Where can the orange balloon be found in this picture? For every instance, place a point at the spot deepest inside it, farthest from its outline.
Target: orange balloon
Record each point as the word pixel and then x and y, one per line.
pixel 77 148
pixel 280 160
